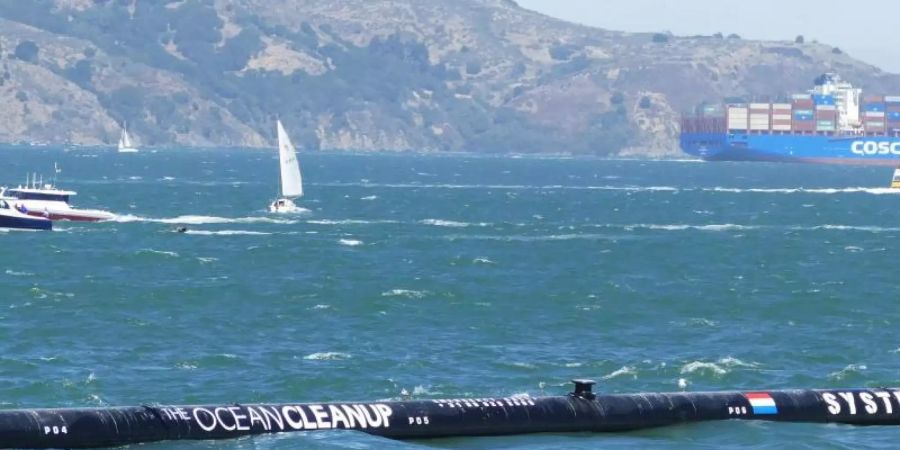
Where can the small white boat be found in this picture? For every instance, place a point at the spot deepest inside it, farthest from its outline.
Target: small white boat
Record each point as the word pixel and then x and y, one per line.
pixel 125 143
pixel 13 218
pixel 46 201
pixel 291 181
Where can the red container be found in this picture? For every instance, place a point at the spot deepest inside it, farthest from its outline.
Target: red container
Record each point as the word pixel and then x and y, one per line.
pixel 803 104
pixel 803 126
pixel 826 115
pixel 873 99
pixel 893 108
pixel 781 122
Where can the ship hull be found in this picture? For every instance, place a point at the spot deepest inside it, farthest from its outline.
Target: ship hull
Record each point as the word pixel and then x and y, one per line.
pixel 798 148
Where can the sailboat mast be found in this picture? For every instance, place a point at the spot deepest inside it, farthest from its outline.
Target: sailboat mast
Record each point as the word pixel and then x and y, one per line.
pixel 279 188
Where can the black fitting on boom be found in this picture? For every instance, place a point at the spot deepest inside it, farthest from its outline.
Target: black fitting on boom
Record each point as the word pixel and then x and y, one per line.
pixel 584 389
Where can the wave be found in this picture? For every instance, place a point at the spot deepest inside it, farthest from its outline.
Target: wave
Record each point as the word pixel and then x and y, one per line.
pixel 350 242
pixel 349 222
pixel 200 220
pixel 624 371
pixel 720 189
pixel 841 190
pixel 527 238
pixel 451 223
pixel 703 368
pixel 14 273
pixel 682 227
pixel 867 228
pixel 850 370
pixel 150 251
pixel 407 293
pixel 509 187
pixel 327 356
pixel 227 233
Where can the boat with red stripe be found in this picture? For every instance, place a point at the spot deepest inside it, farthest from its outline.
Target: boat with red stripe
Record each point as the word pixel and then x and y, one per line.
pixel 38 199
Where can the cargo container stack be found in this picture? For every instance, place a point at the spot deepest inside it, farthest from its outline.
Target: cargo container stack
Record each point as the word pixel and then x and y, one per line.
pixel 826 112
pixel 803 114
pixel 781 116
pixel 760 116
pixel 873 114
pixel 892 106
pixel 737 117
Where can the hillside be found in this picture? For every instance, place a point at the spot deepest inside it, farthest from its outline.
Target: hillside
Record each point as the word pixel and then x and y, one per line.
pixel 472 75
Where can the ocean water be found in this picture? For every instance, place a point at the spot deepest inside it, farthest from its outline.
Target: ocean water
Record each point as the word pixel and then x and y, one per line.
pixel 453 276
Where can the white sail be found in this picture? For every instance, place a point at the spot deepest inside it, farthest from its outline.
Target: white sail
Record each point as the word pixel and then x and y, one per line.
pixel 291 182
pixel 125 144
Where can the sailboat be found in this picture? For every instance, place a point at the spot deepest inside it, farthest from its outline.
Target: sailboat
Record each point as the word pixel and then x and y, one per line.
pixel 125 144
pixel 895 182
pixel 291 181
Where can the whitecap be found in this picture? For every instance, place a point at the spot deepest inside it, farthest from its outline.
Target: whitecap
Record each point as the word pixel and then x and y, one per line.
pixel 623 371
pixel 730 361
pixel 369 198
pixel 150 251
pixel 870 229
pixel 800 190
pixel 408 293
pixel 201 220
pixel 349 222
pixel 350 242
pixel 448 223
pixel 849 370
pixel 327 356
pixel 483 261
pixel 227 233
pixel 683 227
pixel 703 368
pixel 14 273
pixel 422 390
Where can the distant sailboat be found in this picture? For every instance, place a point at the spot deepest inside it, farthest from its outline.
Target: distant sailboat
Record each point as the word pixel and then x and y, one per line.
pixel 291 181
pixel 895 182
pixel 125 144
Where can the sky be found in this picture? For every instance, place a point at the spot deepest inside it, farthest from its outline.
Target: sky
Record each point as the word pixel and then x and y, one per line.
pixel 866 29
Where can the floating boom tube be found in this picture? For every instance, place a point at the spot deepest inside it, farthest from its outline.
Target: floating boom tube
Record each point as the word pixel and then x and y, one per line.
pixel 579 411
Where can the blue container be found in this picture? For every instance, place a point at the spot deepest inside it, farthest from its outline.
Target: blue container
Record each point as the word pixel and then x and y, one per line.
pixel 820 99
pixel 894 116
pixel 803 117
pixel 874 107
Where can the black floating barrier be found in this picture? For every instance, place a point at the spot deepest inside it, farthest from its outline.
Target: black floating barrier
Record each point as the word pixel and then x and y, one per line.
pixel 580 411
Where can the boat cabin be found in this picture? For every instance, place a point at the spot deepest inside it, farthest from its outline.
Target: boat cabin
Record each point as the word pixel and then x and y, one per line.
pixel 47 194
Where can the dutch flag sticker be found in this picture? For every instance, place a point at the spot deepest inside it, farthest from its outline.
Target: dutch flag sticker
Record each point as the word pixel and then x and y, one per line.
pixel 762 403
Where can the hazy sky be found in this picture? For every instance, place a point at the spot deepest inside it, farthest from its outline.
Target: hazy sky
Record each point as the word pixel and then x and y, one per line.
pixel 866 29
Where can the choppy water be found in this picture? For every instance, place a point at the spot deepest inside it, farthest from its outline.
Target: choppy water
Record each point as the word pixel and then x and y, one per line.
pixel 449 277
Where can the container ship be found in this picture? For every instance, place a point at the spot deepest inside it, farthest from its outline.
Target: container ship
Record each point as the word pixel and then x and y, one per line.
pixel 832 123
